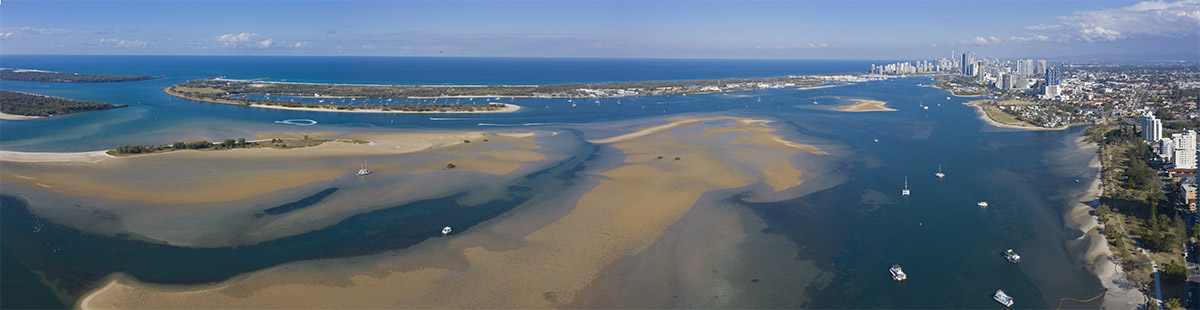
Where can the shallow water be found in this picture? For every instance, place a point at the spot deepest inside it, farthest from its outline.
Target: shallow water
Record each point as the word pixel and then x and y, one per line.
pixel 851 230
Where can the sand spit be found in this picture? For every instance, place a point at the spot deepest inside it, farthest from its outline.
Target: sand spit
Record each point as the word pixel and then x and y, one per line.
pixel 823 86
pixel 865 105
pixel 631 207
pixel 35 157
pixel 508 107
pixel 14 117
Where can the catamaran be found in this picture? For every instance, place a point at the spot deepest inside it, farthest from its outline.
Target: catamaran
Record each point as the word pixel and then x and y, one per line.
pixel 1003 298
pixel 897 273
pixel 363 170
pixel 905 190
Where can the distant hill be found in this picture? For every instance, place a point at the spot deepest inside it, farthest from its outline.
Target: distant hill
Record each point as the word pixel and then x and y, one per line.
pixel 37 105
pixel 46 76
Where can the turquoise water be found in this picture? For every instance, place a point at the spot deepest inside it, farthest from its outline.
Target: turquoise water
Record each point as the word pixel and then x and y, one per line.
pixel 949 247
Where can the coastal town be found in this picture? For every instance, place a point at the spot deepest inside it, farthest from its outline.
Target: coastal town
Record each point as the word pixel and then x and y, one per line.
pixel 1143 117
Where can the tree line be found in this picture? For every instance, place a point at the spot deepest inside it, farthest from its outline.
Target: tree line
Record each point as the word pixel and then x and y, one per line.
pixel 194 145
pixel 36 105
pixel 42 76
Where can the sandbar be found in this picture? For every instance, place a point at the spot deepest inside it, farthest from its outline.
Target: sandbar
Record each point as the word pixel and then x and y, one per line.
pixel 14 117
pixel 630 207
pixel 865 105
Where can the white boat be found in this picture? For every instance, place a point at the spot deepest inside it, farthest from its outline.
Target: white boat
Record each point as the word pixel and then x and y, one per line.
pixel 905 190
pixel 947 98
pixel 897 273
pixel 1012 257
pixel 446 231
pixel 982 204
pixel 363 170
pixel 925 107
pixel 939 174
pixel 1003 298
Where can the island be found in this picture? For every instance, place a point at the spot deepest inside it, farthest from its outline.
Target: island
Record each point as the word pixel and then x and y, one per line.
pixel 268 94
pixel 49 76
pixel 15 105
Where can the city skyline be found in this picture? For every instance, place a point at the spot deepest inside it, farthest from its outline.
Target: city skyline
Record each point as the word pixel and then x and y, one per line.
pixel 660 29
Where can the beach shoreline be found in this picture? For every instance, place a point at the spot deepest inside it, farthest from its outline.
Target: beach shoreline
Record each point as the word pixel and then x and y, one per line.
pixel 14 117
pixel 984 117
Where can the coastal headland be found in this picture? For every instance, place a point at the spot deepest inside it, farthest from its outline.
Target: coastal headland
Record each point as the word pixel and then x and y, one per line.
pixel 654 177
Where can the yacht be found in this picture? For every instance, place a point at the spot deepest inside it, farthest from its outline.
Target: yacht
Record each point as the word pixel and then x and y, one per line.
pixel 905 190
pixel 363 170
pixel 446 231
pixel 897 273
pixel 1012 257
pixel 982 204
pixel 939 174
pixel 1003 298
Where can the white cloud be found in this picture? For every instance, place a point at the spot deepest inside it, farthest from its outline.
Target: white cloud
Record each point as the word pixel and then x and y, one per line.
pixel 981 41
pixel 812 45
pixel 1144 19
pixel 247 39
pixel 124 43
pixel 932 44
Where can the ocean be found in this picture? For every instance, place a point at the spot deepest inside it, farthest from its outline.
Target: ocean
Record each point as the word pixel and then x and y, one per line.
pixel 852 230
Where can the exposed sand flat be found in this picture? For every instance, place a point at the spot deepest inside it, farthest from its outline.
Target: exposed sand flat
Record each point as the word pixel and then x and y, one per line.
pixel 865 105
pixel 631 207
pixel 229 175
pixel 39 157
pixel 14 117
pixel 671 123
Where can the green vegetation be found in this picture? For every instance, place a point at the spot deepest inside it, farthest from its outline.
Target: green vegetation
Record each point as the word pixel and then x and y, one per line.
pixel 450 166
pixel 1134 210
pixel 224 145
pixel 998 115
pixel 37 105
pixel 43 76
pixel 209 91
pixel 1175 273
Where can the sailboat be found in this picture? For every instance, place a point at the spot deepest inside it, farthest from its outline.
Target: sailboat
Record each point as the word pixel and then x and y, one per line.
pixel 364 171
pixel 939 174
pixel 905 190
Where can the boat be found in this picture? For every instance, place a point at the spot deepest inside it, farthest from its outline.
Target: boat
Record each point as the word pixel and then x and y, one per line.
pixel 947 98
pixel 982 204
pixel 446 231
pixel 363 171
pixel 1003 298
pixel 905 190
pixel 925 107
pixel 939 174
pixel 897 273
pixel 1012 257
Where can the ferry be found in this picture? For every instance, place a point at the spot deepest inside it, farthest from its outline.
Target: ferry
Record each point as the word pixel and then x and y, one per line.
pixel 905 190
pixel 446 230
pixel 364 171
pixel 1012 257
pixel 982 204
pixel 1003 298
pixel 897 273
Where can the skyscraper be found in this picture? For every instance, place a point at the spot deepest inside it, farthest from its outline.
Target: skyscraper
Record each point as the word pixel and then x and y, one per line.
pixel 1185 150
pixel 1052 75
pixel 966 63
pixel 1151 127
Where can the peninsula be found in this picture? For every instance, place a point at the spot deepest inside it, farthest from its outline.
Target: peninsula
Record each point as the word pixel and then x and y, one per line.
pixel 242 92
pixel 15 105
pixel 48 76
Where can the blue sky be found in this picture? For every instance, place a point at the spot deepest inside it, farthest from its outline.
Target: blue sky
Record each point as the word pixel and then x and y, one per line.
pixel 666 29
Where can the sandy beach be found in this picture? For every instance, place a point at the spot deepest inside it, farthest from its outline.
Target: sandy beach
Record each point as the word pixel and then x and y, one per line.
pixel 14 117
pixel 508 107
pixel 865 105
pixel 629 209
pixel 984 117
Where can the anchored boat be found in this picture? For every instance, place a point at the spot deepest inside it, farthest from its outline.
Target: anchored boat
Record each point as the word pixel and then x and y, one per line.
pixel 897 273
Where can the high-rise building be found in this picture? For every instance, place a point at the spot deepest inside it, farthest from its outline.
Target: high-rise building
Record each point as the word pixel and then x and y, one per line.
pixel 1151 127
pixel 1185 150
pixel 1041 66
pixel 1166 148
pixel 966 63
pixel 1053 90
pixel 1006 81
pixel 1052 76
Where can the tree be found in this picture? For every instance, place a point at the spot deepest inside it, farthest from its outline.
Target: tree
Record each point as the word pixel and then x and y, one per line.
pixel 450 166
pixel 1175 273
pixel 241 142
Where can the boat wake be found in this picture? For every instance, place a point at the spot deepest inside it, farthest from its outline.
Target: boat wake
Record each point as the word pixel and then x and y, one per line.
pixel 297 122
